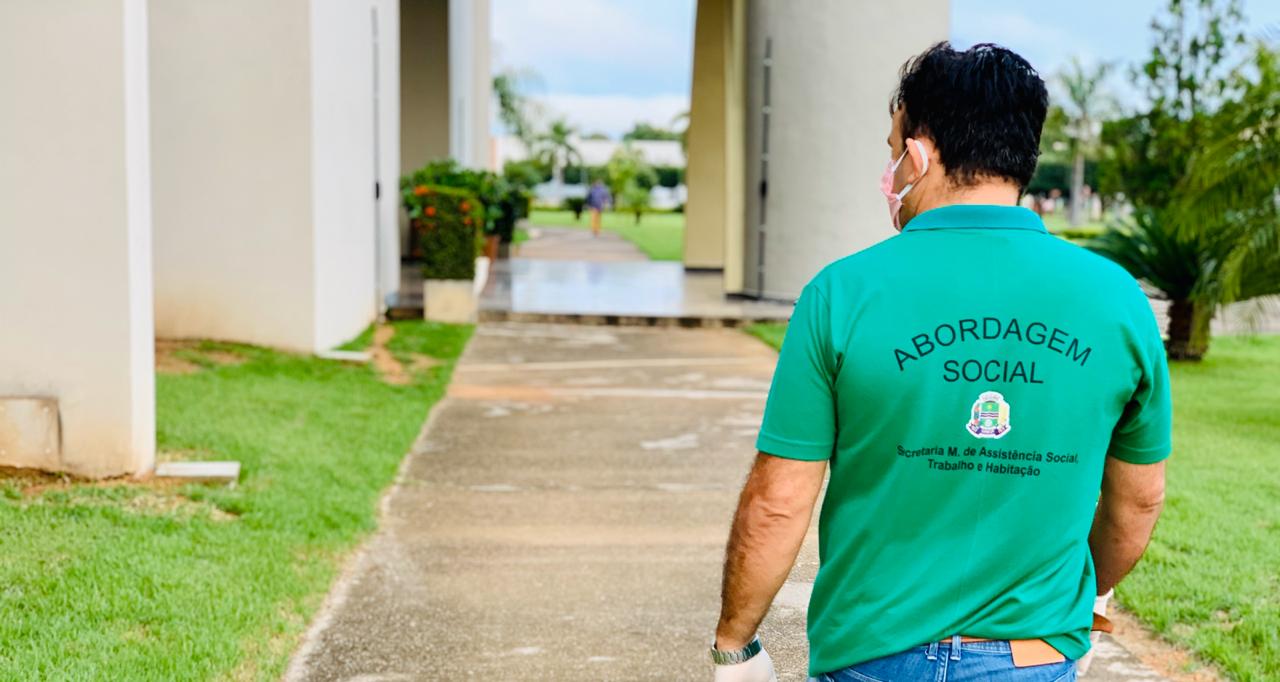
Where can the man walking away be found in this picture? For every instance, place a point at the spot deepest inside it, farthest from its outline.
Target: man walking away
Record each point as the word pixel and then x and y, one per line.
pixel 972 384
pixel 598 200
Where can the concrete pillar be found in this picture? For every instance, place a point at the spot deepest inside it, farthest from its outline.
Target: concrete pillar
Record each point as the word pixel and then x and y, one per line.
pixel 267 152
pixel 75 231
pixel 344 157
pixel 470 83
pixel 714 212
pixel 388 115
pixel 819 78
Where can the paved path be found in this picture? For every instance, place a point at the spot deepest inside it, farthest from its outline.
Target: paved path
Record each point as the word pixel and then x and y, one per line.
pixel 567 243
pixel 563 517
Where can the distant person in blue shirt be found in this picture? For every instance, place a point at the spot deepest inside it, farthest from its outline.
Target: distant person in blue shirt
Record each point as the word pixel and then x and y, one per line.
pixel 598 200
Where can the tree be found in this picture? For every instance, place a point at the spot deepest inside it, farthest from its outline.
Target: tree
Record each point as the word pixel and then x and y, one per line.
pixel 515 110
pixel 1085 103
pixel 555 148
pixel 629 179
pixel 1233 183
pixel 681 122
pixel 646 131
pixel 1180 243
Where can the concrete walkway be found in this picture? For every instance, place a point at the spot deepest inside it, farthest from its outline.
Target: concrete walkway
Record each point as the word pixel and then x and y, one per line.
pixel 568 243
pixel 564 274
pixel 563 517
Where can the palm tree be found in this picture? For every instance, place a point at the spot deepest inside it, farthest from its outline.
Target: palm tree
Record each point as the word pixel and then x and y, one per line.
pixel 555 148
pixel 1218 241
pixel 1084 106
pixel 516 111
pixel 681 122
pixel 1233 184
pixel 1179 267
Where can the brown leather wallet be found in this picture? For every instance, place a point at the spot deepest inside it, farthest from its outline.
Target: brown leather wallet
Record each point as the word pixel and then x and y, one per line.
pixel 1029 652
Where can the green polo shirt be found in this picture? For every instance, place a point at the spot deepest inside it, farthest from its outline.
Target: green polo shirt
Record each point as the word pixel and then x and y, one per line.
pixel 966 379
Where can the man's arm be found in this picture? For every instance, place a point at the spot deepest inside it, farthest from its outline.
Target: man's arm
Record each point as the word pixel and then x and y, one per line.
pixel 1132 497
pixel 768 529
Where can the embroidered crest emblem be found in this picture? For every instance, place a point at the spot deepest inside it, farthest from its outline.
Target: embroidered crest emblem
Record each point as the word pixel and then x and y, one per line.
pixel 990 416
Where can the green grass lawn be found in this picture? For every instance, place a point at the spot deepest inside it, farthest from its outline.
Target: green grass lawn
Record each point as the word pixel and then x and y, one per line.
pixel 1057 222
pixel 115 581
pixel 660 235
pixel 1210 580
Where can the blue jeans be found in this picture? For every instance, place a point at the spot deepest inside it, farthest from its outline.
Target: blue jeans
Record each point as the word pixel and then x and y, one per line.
pixel 952 661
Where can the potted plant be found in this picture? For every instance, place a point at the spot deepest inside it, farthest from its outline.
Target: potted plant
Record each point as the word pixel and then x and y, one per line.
pixel 445 226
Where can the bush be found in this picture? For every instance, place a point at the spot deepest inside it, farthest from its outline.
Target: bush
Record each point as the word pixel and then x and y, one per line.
pixel 578 175
pixel 669 176
pixel 444 224
pixel 503 198
pixel 524 175
pixel 575 204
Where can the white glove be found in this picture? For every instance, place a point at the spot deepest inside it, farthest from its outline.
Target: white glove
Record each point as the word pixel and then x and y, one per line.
pixel 1100 608
pixel 758 668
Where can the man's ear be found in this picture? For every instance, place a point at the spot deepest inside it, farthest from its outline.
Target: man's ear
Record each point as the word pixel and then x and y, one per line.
pixel 920 152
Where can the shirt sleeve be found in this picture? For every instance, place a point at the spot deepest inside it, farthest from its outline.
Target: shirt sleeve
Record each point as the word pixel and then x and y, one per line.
pixel 800 414
pixel 1143 435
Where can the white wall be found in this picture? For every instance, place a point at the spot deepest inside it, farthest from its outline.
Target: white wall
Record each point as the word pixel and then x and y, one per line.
pixel 231 106
pixel 265 164
pixel 342 169
pixel 75 281
pixel 834 66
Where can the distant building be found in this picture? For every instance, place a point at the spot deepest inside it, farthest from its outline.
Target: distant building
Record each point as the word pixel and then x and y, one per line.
pixel 598 153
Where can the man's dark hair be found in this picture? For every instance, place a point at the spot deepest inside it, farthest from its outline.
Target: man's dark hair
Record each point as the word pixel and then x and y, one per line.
pixel 983 107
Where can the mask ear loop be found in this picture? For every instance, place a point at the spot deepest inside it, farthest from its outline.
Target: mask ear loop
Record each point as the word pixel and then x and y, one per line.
pixel 920 157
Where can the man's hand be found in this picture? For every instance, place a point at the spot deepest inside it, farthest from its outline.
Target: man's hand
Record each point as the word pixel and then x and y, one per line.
pixel 1100 608
pixel 758 669
pixel 768 529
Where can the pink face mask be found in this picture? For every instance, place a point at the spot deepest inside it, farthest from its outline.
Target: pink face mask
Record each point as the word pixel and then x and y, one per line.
pixel 886 183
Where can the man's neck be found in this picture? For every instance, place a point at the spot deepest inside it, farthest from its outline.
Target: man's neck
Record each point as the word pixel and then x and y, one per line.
pixel 994 193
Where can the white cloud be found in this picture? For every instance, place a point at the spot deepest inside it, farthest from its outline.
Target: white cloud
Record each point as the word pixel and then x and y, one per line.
pixel 596 45
pixel 613 114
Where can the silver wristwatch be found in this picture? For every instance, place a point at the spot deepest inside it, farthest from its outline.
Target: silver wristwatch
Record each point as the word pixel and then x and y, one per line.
pixel 736 656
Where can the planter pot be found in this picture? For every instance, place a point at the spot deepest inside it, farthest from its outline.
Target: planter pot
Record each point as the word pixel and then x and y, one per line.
pixel 449 300
pixel 454 300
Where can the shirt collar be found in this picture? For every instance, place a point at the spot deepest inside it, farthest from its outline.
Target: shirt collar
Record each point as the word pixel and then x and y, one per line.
pixel 980 216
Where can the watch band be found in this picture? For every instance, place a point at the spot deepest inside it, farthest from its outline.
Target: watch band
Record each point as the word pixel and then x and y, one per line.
pixel 736 656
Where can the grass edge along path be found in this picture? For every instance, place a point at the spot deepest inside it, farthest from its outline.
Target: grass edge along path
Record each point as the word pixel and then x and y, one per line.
pixel 146 581
pixel 1210 579
pixel 660 234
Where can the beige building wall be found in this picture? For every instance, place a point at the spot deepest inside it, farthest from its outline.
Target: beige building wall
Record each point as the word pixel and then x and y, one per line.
pixel 232 151
pixel 266 152
pixel 819 78
pixel 75 278
pixel 715 145
pixel 424 82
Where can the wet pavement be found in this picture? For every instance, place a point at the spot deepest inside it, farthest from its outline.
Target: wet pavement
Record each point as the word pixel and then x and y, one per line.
pixel 563 517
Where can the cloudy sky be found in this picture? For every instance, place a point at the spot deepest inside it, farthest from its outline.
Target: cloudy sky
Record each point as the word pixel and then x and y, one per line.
pixel 604 64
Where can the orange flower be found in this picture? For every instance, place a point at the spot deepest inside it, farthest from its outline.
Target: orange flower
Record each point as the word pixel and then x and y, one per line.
pixel 465 206
pixel 420 190
pixel 431 210
pixel 466 220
